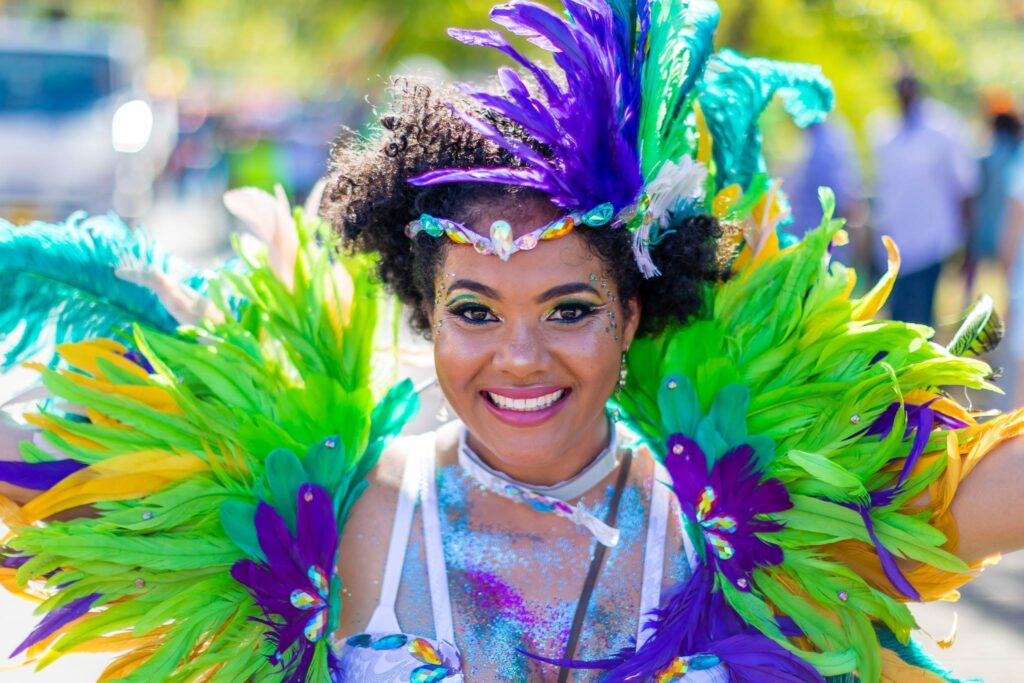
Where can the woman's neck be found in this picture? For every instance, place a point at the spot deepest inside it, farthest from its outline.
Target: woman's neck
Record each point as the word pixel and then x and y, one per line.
pixel 569 462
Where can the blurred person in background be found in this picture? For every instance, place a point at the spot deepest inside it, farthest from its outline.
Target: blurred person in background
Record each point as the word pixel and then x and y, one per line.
pixel 925 177
pixel 996 168
pixel 1010 255
pixel 830 161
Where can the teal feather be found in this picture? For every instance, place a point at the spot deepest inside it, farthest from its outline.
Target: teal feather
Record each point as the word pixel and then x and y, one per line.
pixel 59 284
pixel 680 42
pixel 735 91
pixel 912 653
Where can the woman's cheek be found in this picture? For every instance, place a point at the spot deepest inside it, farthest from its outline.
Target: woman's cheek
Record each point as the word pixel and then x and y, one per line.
pixel 459 354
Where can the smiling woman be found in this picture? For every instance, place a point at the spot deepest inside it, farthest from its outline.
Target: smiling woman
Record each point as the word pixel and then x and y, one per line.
pixel 527 352
pixel 682 452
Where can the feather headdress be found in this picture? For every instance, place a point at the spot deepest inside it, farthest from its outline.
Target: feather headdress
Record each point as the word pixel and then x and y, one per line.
pixel 645 121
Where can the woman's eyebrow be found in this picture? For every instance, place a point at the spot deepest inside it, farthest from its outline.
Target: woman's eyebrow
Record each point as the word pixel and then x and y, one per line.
pixel 474 286
pixel 566 289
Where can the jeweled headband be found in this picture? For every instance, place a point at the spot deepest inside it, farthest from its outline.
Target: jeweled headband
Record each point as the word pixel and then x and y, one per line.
pixel 647 122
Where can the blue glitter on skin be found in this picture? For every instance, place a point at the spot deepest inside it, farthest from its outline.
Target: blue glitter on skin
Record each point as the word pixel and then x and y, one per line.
pixel 499 607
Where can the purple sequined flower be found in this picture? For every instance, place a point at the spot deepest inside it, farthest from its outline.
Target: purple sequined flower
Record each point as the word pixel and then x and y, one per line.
pixel 724 506
pixel 292 586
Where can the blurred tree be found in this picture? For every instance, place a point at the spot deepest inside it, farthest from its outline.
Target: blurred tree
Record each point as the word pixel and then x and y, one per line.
pixel 953 45
pixel 318 46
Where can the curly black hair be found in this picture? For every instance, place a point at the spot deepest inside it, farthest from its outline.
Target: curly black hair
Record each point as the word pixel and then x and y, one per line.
pixel 369 202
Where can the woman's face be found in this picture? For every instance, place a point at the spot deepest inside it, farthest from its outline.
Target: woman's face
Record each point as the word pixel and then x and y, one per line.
pixel 528 351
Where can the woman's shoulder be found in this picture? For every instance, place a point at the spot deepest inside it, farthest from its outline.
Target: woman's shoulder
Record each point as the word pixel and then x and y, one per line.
pixel 385 478
pixel 366 535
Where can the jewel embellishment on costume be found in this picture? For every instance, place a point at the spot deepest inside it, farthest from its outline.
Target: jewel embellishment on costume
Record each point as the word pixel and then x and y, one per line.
pixel 303 599
pixel 680 666
pixel 714 527
pixel 500 241
pixel 435 667
pixel 677 669
pixel 438 662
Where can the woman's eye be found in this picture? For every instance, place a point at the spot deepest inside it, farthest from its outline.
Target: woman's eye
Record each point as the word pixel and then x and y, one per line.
pixel 474 314
pixel 568 313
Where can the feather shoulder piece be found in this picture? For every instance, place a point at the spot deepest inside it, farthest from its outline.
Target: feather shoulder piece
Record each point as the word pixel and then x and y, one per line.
pixel 222 470
pixel 800 433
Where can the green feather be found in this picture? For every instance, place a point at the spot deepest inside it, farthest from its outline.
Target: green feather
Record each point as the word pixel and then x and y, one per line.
pixel 981 331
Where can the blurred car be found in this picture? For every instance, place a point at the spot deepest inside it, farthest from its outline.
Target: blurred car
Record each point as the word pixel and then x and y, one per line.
pixel 76 130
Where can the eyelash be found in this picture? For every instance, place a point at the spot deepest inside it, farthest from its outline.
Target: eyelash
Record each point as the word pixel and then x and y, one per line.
pixel 463 311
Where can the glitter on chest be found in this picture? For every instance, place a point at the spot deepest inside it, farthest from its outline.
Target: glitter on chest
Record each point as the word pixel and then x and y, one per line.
pixel 513 591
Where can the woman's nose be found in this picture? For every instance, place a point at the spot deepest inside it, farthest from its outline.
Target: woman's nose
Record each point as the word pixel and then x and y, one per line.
pixel 522 353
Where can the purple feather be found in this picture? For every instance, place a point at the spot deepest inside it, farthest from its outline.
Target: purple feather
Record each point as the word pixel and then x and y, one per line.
pixel 727 504
pixel 590 126
pixel 753 658
pixel 291 562
pixel 525 177
pixel 14 561
pixel 889 566
pixel 495 40
pixel 57 619
pixel 696 619
pixel 921 420
pixel 37 476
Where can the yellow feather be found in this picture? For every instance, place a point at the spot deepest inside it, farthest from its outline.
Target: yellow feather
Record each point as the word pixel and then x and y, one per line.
pixel 102 419
pixel 895 670
pixel 705 144
pixel 47 424
pixel 122 477
pixel 873 301
pixel 127 663
pixel 155 397
pixel 743 260
pixel 768 247
pixel 725 199
pixel 83 355
pixel 851 283
pixel 10 514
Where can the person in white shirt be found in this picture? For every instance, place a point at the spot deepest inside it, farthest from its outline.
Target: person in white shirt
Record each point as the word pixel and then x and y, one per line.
pixel 924 179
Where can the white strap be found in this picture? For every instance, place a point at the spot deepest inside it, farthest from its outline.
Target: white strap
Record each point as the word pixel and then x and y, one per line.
pixel 437 572
pixel 384 619
pixel 654 563
pixel 654 553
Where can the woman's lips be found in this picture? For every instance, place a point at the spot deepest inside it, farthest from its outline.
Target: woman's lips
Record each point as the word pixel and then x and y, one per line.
pixel 525 406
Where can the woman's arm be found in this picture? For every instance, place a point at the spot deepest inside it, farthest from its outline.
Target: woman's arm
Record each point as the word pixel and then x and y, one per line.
pixel 989 505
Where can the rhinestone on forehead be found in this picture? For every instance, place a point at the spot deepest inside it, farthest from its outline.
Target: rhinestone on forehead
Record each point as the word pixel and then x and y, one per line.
pixel 499 241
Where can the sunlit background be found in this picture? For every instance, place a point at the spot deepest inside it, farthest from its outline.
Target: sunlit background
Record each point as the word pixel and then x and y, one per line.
pixel 152 108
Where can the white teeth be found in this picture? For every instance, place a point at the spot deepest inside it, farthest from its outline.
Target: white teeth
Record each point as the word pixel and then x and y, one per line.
pixel 525 405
